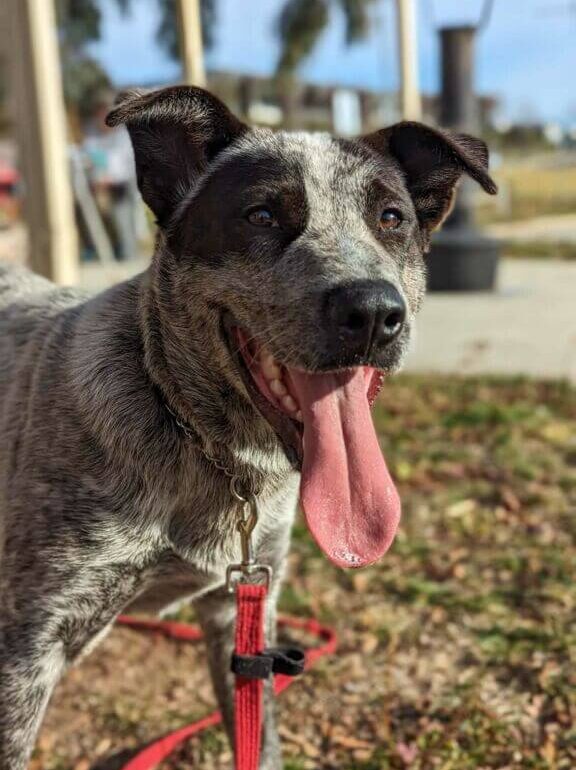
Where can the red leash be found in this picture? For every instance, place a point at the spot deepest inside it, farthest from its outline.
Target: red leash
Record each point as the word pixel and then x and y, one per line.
pixel 251 663
pixel 248 692
pixel 248 714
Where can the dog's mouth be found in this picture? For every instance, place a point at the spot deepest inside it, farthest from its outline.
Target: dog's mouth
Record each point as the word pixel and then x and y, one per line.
pixel 324 422
pixel 270 377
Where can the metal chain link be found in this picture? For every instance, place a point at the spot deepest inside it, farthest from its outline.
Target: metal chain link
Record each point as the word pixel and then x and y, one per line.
pixel 242 491
pixel 245 497
pixel 193 436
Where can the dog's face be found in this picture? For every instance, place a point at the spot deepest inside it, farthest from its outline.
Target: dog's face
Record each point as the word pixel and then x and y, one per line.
pixel 317 241
pixel 302 253
pixel 314 245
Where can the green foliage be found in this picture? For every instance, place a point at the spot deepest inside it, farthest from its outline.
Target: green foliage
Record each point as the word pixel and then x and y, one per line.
pixel 84 79
pixel 167 33
pixel 294 764
pixel 80 23
pixel 84 83
pixel 301 23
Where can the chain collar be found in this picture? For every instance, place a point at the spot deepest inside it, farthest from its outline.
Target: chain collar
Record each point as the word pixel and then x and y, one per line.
pixel 190 434
pixel 245 496
pixel 240 489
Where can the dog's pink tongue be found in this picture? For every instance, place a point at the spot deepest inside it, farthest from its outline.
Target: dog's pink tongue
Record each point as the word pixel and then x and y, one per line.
pixel 349 500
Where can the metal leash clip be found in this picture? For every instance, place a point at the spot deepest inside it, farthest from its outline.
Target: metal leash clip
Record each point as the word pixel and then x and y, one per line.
pixel 247 521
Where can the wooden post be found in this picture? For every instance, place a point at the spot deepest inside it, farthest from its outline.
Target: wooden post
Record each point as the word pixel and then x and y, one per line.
pixel 40 116
pixel 410 102
pixel 191 47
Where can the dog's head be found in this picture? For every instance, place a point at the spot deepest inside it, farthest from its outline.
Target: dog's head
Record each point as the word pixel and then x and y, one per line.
pixel 304 252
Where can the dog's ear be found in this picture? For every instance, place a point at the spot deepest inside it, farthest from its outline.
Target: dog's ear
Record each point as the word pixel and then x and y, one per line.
pixel 176 132
pixel 433 161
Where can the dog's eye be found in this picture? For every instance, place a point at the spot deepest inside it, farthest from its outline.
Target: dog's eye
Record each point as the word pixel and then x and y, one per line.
pixel 390 219
pixel 262 217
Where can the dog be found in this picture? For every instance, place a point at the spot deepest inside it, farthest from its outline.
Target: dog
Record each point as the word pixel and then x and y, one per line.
pixel 287 273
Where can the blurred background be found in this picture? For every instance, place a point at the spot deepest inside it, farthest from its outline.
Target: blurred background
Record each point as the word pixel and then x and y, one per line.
pixel 458 651
pixel 501 69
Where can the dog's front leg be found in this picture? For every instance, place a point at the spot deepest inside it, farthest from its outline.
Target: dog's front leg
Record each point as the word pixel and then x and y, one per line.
pixel 217 616
pixel 29 669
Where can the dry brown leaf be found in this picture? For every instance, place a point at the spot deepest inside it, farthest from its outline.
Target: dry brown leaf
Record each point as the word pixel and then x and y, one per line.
pixel 510 499
pixel 349 742
pixel 369 643
pixel 309 749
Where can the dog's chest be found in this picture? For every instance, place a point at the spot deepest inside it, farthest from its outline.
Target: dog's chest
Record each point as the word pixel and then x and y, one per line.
pixel 163 557
pixel 198 564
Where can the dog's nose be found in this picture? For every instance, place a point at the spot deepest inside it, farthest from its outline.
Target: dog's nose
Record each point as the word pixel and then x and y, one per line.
pixel 366 314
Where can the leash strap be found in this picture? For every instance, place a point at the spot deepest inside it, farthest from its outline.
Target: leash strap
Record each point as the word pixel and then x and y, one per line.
pixel 248 708
pixel 160 749
pixel 274 660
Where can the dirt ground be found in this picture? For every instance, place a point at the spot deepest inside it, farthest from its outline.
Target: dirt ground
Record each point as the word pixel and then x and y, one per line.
pixel 457 652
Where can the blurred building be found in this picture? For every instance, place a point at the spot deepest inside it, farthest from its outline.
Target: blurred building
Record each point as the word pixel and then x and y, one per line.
pixel 310 106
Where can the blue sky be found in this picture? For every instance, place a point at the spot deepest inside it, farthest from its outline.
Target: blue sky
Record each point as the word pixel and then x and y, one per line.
pixel 526 57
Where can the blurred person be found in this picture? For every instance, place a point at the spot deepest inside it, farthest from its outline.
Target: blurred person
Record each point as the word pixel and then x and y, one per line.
pixel 10 182
pixel 113 178
pixel 9 207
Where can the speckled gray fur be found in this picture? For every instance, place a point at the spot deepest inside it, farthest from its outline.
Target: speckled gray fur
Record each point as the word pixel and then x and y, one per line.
pixel 104 502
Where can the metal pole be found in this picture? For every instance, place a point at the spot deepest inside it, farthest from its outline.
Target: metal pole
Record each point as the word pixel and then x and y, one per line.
pixel 41 132
pixel 458 103
pixel 462 259
pixel 410 102
pixel 191 46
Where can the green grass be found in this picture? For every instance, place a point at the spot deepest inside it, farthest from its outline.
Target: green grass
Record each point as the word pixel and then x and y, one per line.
pixel 540 249
pixel 535 191
pixel 458 650
pixel 481 583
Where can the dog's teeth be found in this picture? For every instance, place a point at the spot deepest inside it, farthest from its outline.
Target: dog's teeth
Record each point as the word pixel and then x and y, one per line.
pixel 278 388
pixel 269 366
pixel 298 416
pixel 289 404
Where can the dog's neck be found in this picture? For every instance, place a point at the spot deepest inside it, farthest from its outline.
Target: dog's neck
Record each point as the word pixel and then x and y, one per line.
pixel 188 362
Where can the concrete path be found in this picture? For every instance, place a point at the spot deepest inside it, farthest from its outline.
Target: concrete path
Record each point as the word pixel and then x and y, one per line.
pixel 527 327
